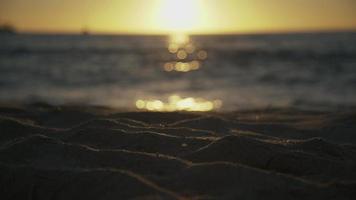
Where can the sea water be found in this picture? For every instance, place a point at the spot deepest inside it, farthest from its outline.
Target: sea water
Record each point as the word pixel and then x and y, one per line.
pixel 211 72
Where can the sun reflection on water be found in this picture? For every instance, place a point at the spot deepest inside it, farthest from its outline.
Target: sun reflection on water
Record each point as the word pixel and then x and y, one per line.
pixel 182 66
pixel 186 55
pixel 177 103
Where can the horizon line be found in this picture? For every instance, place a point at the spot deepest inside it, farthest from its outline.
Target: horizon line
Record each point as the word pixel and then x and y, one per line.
pixel 109 33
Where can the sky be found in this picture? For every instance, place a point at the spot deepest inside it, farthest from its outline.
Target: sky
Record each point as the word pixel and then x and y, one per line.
pixel 193 16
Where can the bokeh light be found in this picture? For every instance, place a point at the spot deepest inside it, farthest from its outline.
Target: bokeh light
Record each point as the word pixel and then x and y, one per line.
pixel 186 56
pixel 177 103
pixel 182 66
pixel 182 54
pixel 202 55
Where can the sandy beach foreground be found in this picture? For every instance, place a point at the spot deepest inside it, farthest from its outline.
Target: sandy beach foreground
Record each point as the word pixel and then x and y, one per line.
pixel 74 152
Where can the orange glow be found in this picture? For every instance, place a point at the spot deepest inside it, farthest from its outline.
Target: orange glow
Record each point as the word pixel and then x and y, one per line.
pixel 167 16
pixel 177 103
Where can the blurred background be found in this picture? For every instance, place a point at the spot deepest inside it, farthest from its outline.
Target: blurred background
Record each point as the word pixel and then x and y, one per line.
pixel 174 55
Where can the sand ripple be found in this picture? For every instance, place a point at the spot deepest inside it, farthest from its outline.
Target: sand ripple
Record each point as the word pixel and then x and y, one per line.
pixel 97 153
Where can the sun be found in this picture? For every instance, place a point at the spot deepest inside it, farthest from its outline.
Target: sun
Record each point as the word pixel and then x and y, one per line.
pixel 178 15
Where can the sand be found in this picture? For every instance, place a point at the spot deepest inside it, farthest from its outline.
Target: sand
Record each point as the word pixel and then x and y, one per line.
pixel 87 152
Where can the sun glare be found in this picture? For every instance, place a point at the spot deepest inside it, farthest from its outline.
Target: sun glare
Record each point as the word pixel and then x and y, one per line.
pixel 178 15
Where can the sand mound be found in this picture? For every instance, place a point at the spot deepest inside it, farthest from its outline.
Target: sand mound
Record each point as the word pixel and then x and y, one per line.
pixel 94 153
pixel 133 125
pixel 44 152
pixel 156 118
pixel 289 157
pixel 229 181
pixel 28 183
pixel 11 128
pixel 216 124
pixel 138 141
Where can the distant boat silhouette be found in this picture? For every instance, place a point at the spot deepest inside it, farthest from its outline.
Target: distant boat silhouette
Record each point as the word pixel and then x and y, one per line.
pixel 7 29
pixel 85 31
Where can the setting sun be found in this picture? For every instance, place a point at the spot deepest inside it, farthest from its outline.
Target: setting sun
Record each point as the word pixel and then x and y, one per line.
pixel 178 15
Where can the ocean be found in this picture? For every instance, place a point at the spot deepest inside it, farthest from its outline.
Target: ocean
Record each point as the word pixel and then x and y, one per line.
pixel 168 73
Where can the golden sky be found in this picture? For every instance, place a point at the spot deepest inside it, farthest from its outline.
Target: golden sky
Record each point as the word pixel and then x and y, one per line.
pixel 162 16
